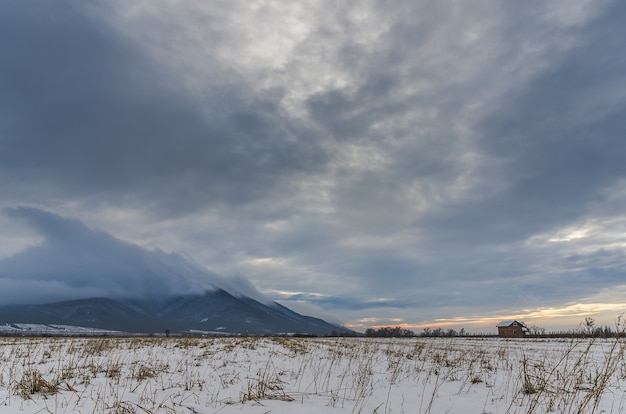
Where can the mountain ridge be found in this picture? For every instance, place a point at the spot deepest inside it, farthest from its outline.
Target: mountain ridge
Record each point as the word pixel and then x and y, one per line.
pixel 212 311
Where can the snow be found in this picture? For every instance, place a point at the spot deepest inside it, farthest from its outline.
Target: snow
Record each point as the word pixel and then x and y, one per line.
pixel 509 323
pixel 38 329
pixel 311 375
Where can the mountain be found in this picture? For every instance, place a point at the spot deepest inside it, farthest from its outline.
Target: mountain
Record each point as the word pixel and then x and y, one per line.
pixel 216 311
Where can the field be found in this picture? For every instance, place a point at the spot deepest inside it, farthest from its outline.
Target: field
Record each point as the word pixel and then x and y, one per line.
pixel 311 375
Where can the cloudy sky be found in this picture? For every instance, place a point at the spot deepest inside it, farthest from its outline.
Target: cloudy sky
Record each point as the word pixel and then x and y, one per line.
pixel 412 163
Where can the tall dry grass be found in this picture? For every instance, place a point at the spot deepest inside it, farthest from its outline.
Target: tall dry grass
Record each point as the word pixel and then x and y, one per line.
pixel 139 375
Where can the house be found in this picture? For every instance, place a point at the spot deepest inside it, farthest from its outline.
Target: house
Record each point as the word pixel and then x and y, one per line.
pixel 512 329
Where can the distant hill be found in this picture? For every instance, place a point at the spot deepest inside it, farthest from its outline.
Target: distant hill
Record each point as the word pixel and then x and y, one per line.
pixel 216 311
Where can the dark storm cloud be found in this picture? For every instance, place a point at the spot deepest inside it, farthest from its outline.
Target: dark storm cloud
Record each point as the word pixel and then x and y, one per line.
pixel 560 139
pixel 86 113
pixel 76 261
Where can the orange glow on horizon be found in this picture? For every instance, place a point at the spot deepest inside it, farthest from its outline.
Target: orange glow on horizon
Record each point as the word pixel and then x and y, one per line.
pixel 566 317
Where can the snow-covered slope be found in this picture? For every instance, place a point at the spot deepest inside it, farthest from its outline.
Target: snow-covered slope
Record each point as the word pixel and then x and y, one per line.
pixel 213 311
pixel 61 330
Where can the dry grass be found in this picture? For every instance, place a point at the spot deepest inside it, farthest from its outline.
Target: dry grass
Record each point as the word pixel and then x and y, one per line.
pixel 33 382
pixel 358 375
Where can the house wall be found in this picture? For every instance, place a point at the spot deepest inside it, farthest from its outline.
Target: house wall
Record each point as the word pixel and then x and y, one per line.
pixel 510 331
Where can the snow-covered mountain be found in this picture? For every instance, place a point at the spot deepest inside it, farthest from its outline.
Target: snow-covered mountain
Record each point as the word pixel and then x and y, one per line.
pixel 214 311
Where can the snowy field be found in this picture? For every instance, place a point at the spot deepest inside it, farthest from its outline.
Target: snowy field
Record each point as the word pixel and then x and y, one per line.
pixel 310 375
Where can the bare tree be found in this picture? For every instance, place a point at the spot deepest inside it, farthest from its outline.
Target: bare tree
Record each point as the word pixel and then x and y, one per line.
pixel 589 325
pixel 537 330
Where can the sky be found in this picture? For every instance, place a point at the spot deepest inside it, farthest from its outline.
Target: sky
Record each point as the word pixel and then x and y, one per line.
pixel 414 163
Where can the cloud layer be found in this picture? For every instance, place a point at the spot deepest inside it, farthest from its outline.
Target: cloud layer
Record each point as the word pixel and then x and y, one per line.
pixel 411 162
pixel 74 261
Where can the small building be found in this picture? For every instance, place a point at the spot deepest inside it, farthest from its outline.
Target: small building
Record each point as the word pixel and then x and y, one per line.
pixel 512 329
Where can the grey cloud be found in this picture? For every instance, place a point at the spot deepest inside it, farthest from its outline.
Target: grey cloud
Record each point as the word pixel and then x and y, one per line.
pixel 89 114
pixel 560 138
pixel 549 141
pixel 550 145
pixel 348 302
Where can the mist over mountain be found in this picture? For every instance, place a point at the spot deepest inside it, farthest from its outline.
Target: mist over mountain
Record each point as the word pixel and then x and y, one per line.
pixel 76 262
pixel 84 277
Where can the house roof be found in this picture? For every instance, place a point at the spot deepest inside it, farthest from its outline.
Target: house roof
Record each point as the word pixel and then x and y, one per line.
pixel 504 324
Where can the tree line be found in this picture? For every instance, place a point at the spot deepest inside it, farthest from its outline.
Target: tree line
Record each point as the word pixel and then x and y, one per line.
pixel 389 332
pixel 398 332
